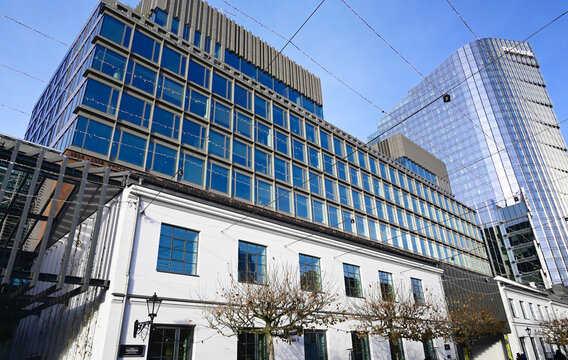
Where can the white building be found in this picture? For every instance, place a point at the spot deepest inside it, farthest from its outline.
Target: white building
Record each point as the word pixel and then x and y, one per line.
pixel 526 307
pixel 133 253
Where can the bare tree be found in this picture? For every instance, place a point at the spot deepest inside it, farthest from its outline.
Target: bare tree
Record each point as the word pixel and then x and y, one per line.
pixel 398 315
pixel 279 308
pixel 555 331
pixel 468 321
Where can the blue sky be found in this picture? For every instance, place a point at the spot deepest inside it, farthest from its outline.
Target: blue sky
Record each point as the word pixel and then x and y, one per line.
pixel 425 32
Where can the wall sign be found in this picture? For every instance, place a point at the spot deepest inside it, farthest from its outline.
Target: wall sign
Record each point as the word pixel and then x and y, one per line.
pixel 131 350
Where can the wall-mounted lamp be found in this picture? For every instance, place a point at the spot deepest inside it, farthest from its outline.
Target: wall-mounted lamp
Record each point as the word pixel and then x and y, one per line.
pixel 153 305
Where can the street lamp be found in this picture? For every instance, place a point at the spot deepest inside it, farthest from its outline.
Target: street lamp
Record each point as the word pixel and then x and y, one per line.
pixel 528 330
pixel 153 305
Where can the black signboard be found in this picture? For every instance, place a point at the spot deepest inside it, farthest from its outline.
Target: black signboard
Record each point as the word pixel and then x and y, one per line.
pixel 131 350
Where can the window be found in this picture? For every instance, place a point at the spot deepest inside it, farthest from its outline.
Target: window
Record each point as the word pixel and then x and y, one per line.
pixel 165 123
pixel 310 274
pixel 298 150
pixel 362 161
pixel 221 86
pixel 134 110
pixel 281 169
pixel 429 350
pixel 348 221
pixel 314 158
pixel 196 38
pixel 100 97
pixel 116 31
pixel 350 154
pixel 170 342
pixel 343 195
pixel 109 62
pixel 242 125
pixel 352 280
pixel 178 250
pixel 296 125
pixel 522 303
pixel 315 183
pixel 512 306
pixel 333 215
pixel 356 196
pixel 218 178
pixel 298 177
pixel 141 77
pixel 242 97
pixel 94 136
pixel 417 291
pixel 318 212
pixel 283 200
pixel 196 103
pixel 310 133
pixel 193 169
pixel 241 186
pixel 173 61
pixel 170 90
pixel 324 139
pixel 387 289
pixel 252 263
pixel 193 134
pixel 281 143
pixel 262 162
pixel 198 74
pixel 341 171
pixel 127 147
pixel 360 346
pixel 261 107
pixel 242 153
pixel 330 192
pixel 220 114
pixel 301 203
pixel 315 347
pixel 263 193
pixel 328 164
pixel 280 117
pixel 263 133
pixel 338 147
pixel 218 144
pixel 161 158
pixel 251 346
pixel 532 311
pixel 160 17
pixel 145 46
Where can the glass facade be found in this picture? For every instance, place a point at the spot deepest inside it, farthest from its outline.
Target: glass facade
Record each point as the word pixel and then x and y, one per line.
pixel 498 136
pixel 165 106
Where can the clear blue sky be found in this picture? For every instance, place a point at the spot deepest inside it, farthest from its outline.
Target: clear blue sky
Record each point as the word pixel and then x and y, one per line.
pixel 425 32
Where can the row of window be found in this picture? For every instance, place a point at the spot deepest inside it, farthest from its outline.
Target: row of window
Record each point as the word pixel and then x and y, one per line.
pixel 537 316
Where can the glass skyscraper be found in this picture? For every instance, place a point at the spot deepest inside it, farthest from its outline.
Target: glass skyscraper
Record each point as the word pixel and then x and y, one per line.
pixel 501 143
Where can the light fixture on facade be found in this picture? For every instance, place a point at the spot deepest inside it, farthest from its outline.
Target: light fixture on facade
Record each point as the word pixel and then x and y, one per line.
pixel 528 330
pixel 153 305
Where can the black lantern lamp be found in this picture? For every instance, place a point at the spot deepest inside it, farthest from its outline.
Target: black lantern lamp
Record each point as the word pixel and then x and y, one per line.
pixel 153 305
pixel 528 330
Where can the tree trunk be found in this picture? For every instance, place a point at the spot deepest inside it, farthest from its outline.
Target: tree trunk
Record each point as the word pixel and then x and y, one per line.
pixel 467 352
pixel 395 349
pixel 269 345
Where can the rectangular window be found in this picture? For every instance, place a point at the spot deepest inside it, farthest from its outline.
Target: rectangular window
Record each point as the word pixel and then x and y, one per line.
pixel 173 61
pixel 311 133
pixel 315 183
pixel 262 162
pixel 242 186
pixel 141 77
pixel 338 147
pixel 221 86
pixel 343 195
pixel 127 147
pixel 252 263
pixel 170 90
pixel 263 134
pixel 242 153
pixel 350 154
pixel 263 193
pixel 361 228
pixel 330 191
pixel 100 97
pixel 193 169
pixel 116 31
pixel 218 178
pixel 251 346
pixel 198 74
pixel 318 212
pixel 310 273
pixel 324 140
pixel 281 169
pixel 280 116
pixel 161 158
pixel 369 208
pixel 261 107
pixel 218 144
pixel 296 125
pixel 315 347
pixel 352 280
pixel 94 136
pixel 341 171
pixel 298 150
pixel 220 114
pixel 196 38
pixel 333 215
pixel 301 204
pixel 299 177
pixel 417 291
pixel 366 182
pixel 522 304
pixel 328 164
pixel 193 134
pixel 281 142
pixel 160 17
pixel 362 161
pixel 145 46
pixel 165 123
pixel 356 196
pixel 242 97
pixel 196 103
pixel 360 346
pixel 283 200
pixel 134 110
pixel 171 342
pixel 177 252
pixel 386 285
pixel 109 62
pixel 242 124
pixel 512 306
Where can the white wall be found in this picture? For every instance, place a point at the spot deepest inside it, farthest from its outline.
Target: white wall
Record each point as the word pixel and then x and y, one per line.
pixel 129 260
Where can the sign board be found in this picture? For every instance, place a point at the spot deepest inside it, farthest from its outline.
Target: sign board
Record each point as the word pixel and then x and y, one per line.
pixel 131 350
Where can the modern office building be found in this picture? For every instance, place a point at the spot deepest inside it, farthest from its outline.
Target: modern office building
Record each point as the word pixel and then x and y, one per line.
pixel 178 90
pixel 500 140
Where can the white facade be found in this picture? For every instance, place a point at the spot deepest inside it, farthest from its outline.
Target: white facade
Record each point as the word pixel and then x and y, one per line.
pixel 94 324
pixel 526 307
